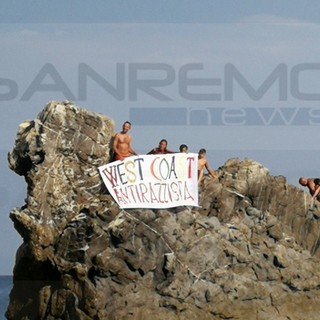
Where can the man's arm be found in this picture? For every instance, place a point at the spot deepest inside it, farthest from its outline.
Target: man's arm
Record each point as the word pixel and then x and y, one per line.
pixel 311 186
pixel 200 175
pixel 130 148
pixel 316 192
pixel 115 144
pixel 211 172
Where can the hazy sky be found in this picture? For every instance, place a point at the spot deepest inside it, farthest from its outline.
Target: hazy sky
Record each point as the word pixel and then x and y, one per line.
pixel 240 78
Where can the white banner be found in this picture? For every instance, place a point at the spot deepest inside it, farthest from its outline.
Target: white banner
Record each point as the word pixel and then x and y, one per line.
pixel 153 181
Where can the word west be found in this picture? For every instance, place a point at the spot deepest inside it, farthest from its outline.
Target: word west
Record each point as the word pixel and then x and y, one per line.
pixel 153 181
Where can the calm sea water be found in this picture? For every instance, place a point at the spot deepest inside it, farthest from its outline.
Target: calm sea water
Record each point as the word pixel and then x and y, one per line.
pixel 5 288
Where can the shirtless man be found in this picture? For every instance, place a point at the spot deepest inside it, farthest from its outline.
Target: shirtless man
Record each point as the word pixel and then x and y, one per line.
pixel 203 163
pixel 312 184
pixel 122 143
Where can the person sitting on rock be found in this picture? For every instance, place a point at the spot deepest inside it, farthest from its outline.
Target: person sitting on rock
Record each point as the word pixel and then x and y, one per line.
pixel 203 163
pixel 161 149
pixel 313 184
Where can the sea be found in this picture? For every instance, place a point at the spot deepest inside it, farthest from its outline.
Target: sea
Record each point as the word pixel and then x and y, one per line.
pixel 5 288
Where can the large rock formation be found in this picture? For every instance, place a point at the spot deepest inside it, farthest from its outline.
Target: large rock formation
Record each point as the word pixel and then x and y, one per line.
pixel 249 252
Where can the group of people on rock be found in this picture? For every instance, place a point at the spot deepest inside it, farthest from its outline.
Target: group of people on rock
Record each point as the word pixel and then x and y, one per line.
pixel 122 149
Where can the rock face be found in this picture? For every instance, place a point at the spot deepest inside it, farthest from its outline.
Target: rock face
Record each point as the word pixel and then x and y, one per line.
pixel 249 252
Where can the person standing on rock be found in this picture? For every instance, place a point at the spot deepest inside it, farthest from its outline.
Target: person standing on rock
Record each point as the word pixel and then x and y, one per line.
pixel 313 184
pixel 203 163
pixel 122 143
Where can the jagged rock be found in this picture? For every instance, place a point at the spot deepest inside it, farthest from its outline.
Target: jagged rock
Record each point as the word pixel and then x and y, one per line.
pixel 250 251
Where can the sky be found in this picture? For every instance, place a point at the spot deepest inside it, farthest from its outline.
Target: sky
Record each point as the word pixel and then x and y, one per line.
pixel 239 78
